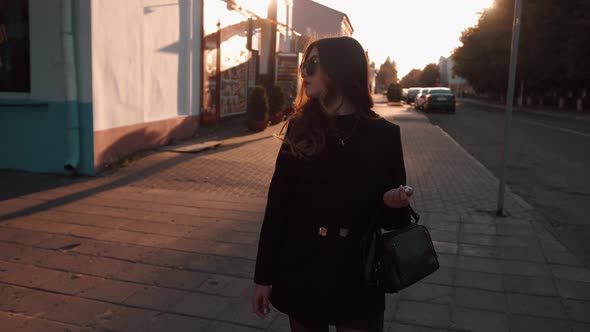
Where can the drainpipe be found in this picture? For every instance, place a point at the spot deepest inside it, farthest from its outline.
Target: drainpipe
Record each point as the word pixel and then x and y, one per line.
pixel 71 89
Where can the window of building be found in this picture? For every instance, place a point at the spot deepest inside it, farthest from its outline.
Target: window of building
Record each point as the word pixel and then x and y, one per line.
pixel 14 46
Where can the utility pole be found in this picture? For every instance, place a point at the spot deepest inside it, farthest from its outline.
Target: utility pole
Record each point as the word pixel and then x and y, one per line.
pixel 509 103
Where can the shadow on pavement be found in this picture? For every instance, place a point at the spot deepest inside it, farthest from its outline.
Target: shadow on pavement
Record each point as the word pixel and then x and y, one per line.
pixel 17 183
pixel 21 183
pixel 101 187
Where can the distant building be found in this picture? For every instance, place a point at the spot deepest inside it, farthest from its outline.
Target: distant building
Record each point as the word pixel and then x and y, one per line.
pixel 314 20
pixel 448 78
pixel 372 72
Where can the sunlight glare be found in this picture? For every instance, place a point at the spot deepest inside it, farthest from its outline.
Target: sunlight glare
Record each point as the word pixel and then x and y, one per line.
pixel 414 33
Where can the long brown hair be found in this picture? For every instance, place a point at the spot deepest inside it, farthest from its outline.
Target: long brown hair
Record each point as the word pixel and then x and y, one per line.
pixel 344 62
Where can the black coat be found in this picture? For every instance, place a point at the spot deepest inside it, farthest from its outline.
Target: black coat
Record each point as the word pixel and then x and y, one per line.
pixel 319 278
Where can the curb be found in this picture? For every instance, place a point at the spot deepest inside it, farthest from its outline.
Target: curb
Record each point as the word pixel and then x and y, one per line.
pixel 519 200
pixel 531 111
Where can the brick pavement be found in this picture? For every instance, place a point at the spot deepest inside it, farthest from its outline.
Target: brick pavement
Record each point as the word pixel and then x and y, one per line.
pixel 168 244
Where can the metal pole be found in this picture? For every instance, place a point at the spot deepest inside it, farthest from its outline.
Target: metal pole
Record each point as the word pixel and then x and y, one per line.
pixel 272 15
pixel 509 102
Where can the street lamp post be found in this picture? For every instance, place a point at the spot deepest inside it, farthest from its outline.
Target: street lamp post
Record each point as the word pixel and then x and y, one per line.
pixel 272 18
pixel 509 103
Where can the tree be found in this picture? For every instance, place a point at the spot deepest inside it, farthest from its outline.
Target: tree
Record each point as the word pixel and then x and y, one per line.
pixel 387 73
pixel 552 53
pixel 483 59
pixel 429 75
pixel 542 55
pixel 412 79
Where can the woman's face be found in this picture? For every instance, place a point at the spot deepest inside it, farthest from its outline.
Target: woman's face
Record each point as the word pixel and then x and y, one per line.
pixel 314 80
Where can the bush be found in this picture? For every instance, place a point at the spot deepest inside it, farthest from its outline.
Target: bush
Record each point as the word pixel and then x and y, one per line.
pixel 394 92
pixel 258 108
pixel 276 100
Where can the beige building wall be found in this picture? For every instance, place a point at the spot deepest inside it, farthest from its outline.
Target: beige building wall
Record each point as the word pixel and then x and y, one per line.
pixel 143 58
pixel 146 67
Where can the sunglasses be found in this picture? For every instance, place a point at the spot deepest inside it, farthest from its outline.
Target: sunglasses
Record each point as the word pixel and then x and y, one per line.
pixel 309 67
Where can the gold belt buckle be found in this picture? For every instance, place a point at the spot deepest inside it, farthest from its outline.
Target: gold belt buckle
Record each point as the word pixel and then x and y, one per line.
pixel 323 231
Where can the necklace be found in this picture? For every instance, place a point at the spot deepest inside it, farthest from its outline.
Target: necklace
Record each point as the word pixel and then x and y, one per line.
pixel 343 140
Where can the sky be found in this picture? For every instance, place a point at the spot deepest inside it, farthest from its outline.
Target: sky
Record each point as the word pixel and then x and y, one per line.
pixel 412 32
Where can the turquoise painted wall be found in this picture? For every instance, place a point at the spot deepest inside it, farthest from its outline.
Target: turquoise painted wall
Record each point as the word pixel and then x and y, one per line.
pixel 33 136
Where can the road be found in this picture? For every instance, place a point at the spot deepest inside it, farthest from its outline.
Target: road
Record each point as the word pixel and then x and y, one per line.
pixel 548 163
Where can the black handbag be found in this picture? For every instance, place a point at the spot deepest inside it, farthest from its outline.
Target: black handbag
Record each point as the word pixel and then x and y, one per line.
pixel 396 259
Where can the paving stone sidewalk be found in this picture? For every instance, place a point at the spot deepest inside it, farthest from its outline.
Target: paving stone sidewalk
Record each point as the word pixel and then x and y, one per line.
pixel 168 244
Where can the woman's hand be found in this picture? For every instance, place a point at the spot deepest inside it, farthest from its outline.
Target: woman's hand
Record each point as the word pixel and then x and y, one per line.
pixel 260 303
pixel 398 197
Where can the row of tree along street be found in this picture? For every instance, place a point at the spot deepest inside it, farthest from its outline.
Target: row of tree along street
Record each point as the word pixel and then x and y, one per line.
pixel 387 74
pixel 428 76
pixel 553 56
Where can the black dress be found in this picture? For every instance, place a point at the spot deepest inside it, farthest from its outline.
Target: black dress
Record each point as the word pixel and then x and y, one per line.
pixel 318 279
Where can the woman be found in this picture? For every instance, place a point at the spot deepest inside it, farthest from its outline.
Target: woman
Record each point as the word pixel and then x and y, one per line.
pixel 340 165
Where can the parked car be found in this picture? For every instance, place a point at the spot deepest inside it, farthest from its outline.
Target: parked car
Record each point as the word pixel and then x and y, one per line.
pixel 439 99
pixel 405 94
pixel 412 92
pixel 420 98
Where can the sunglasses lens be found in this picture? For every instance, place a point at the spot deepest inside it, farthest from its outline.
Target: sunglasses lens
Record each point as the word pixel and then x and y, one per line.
pixel 308 67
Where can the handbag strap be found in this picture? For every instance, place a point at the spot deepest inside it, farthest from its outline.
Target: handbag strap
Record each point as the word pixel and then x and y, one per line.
pixel 374 219
pixel 414 215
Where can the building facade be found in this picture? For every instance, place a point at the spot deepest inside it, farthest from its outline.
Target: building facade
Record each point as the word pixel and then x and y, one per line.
pixel 242 39
pixel 46 108
pixel 84 83
pixel 315 20
pixel 97 80
pixel 448 78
